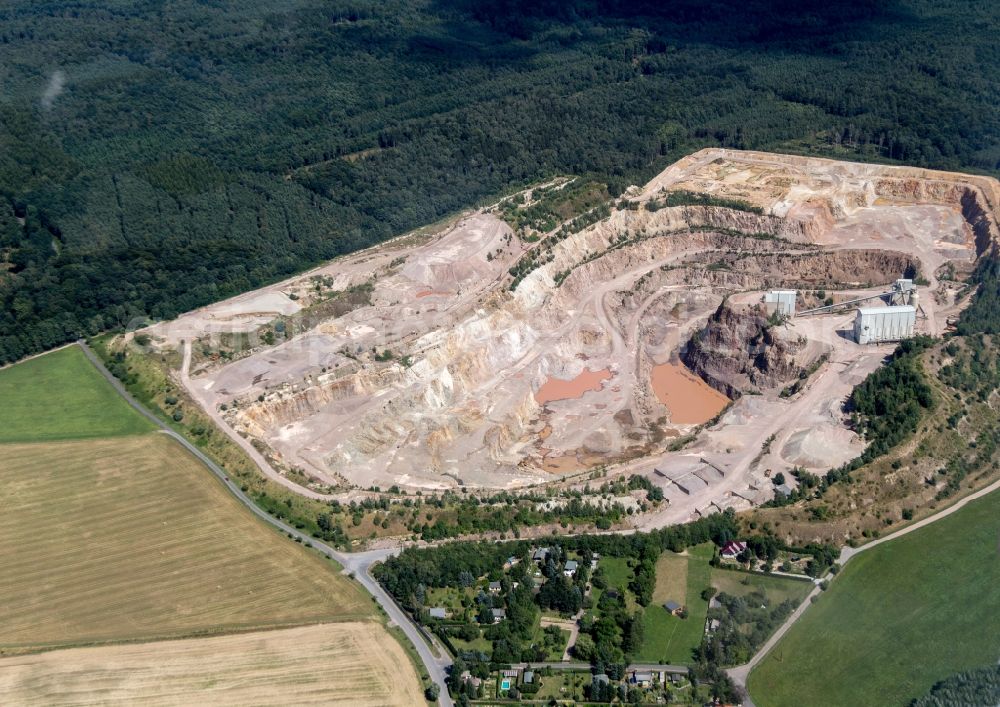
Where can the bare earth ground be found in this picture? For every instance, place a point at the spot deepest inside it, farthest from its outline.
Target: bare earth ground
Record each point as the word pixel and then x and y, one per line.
pixel 129 538
pixel 300 369
pixel 355 663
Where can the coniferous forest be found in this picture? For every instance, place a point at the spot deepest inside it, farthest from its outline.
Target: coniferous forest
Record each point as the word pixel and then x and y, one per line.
pixel 156 156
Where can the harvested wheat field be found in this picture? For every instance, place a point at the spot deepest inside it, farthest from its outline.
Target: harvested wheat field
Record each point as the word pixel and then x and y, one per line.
pixel 131 538
pixel 354 663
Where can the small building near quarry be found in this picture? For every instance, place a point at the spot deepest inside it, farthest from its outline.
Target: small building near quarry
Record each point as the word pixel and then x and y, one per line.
pixel 874 325
pixel 780 301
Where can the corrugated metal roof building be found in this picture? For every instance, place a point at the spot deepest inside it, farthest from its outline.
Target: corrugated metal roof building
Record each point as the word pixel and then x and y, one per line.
pixel 873 325
pixel 780 301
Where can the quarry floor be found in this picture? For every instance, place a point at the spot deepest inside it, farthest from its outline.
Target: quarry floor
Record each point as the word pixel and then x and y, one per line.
pixel 414 364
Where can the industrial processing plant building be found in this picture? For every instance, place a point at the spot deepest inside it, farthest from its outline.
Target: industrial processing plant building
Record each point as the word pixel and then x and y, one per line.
pixel 873 325
pixel 780 301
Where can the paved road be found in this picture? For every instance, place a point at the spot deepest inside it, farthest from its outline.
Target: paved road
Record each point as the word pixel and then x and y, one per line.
pixel 359 563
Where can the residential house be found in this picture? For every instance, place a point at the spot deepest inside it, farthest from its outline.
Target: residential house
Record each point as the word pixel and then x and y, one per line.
pixel 571 568
pixel 642 679
pixel 540 555
pixel 672 606
pixel 494 587
pixel 466 677
pixel 529 677
pixel 733 548
pixel 499 615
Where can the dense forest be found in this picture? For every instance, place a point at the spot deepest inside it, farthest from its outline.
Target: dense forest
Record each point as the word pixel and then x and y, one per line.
pixel 972 688
pixel 155 156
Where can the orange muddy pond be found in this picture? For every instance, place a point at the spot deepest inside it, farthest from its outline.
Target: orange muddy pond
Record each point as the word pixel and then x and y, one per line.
pixel 691 400
pixel 556 389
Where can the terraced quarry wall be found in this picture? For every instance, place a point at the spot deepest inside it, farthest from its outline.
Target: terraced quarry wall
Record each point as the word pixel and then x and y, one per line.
pixel 434 383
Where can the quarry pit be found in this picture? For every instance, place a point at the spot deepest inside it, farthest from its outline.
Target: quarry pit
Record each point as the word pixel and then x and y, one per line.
pixel 638 344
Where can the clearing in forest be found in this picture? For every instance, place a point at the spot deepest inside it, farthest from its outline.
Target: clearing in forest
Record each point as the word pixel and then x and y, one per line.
pixel 899 618
pixel 354 663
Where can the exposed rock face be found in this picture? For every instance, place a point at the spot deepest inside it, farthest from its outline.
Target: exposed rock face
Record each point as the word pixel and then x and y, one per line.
pixel 841 268
pixel 428 378
pixel 970 197
pixel 978 216
pixel 739 351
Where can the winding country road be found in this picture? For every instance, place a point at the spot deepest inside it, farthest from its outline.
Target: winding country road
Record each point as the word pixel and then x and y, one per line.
pixel 358 563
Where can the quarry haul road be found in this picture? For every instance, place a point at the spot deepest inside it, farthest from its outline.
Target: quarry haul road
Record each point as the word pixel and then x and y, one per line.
pixel 265 468
pixel 357 563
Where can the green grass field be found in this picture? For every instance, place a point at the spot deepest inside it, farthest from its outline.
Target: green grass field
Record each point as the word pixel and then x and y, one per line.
pixel 618 575
pixel 667 638
pixel 898 618
pixel 62 396
pixel 477 644
pixel 616 571
pixel 777 588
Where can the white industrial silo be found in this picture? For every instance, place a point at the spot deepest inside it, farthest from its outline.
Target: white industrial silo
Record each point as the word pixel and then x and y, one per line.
pixel 873 325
